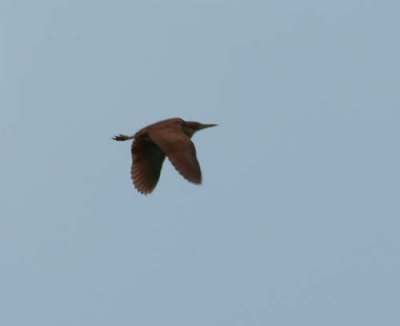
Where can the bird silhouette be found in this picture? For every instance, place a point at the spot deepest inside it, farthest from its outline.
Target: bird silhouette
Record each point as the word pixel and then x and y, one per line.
pixel 151 144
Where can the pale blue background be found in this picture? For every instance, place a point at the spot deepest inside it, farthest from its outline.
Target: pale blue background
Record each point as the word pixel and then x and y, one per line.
pixel 297 222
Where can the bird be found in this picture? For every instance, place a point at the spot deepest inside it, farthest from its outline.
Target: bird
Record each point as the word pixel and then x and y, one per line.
pixel 150 146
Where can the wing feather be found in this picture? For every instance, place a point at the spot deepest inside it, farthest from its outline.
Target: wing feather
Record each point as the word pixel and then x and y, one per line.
pixel 147 160
pixel 179 149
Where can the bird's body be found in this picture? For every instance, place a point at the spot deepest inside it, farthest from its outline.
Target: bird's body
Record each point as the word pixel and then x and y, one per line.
pixel 151 144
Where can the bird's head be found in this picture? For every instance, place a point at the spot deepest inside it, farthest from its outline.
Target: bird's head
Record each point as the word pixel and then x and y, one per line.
pixel 190 127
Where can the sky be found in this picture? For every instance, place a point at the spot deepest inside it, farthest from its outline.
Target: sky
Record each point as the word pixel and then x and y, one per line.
pixel 297 219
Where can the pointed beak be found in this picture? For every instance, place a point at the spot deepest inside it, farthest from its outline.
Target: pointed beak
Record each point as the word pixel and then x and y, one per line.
pixel 204 125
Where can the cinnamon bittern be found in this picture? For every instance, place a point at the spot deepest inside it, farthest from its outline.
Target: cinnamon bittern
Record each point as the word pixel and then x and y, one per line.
pixel 169 138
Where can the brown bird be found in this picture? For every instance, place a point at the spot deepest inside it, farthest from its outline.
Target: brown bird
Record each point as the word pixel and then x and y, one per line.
pixel 169 138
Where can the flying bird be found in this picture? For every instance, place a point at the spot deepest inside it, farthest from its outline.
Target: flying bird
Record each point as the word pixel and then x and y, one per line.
pixel 151 144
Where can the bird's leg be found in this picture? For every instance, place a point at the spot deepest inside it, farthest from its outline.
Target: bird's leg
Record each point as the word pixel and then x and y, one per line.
pixel 122 137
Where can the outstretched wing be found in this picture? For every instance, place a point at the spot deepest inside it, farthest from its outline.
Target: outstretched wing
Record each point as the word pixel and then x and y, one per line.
pixel 179 149
pixel 147 160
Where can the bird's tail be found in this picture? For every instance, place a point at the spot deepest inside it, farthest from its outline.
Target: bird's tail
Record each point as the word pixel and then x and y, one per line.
pixel 122 137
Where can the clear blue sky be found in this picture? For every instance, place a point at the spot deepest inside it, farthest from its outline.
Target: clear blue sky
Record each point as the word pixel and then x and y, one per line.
pixel 298 219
